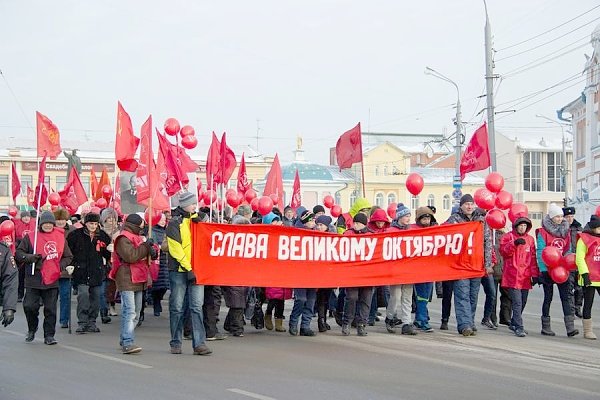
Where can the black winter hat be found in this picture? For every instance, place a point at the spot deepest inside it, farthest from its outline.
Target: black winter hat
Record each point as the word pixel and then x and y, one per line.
pixel 594 222
pixel 568 211
pixel 134 219
pixel 360 217
pixel 318 208
pixel 91 217
pixel 47 217
pixel 466 198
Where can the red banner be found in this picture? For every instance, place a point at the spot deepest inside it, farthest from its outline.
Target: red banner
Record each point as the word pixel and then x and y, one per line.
pixel 274 256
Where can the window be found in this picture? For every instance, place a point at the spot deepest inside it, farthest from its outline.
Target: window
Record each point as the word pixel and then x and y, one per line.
pixel 446 203
pixel 431 201
pixel 391 198
pixel 532 171
pixel 353 197
pixel 379 199
pixel 376 170
pixel 414 202
pixel 536 215
pixel 25 181
pixel 61 181
pixel 385 171
pixel 4 185
pixel 555 173
pixel 338 198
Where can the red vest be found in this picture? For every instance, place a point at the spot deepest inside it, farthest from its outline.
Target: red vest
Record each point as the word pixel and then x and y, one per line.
pixel 51 246
pixel 139 269
pixel 563 244
pixel 592 258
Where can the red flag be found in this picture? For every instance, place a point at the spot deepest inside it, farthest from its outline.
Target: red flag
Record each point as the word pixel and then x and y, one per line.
pixel 296 196
pixel 348 149
pixel 242 179
pixel 16 183
pixel 41 191
pixel 104 180
pixel 144 173
pixel 126 143
pixel 93 183
pixel 48 137
pixel 227 163
pixel 73 194
pixel 477 153
pixel 30 196
pixel 274 182
pixel 167 161
pixel 213 160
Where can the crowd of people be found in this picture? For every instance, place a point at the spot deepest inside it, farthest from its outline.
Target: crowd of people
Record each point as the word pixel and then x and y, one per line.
pixel 106 259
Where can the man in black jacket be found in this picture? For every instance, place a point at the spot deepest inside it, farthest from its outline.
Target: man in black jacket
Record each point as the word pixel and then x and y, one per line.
pixel 9 281
pixel 91 256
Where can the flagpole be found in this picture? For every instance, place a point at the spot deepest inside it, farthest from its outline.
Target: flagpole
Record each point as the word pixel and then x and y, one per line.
pixel 212 182
pixel 37 214
pixel 112 199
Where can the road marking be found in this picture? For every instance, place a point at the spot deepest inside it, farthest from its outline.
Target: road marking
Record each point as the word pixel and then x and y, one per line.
pixel 93 354
pixel 250 394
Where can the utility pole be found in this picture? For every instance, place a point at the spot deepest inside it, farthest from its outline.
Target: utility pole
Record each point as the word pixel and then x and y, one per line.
pixel 489 85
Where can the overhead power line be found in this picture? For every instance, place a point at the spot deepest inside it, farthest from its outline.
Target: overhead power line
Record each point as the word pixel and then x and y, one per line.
pixel 538 92
pixel 538 63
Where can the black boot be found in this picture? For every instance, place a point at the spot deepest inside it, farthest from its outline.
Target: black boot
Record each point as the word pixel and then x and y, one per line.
pixel 104 317
pixel 321 324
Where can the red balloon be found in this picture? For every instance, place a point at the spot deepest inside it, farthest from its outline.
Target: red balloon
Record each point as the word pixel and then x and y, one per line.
pixel 220 204
pixel 265 205
pixel 328 201
pixel 54 199
pixel 241 198
pixel 171 127
pixel 495 219
pixel 494 182
pixel 6 228
pixel 551 256
pixel 201 194
pixel 504 200
pixel 274 198
pixel 414 183
pixel 230 192
pixel 189 142
pixel 13 211
pixel 95 210
pixel 568 262
pixel 156 216
pixel 336 211
pixel 517 210
pixel 101 203
pixel 559 274
pixel 597 211
pixel 250 195
pixel 391 210
pixel 484 199
pixel 232 198
pixel 209 196
pixel 187 131
pixel 107 192
pixel 254 204
pixel 54 208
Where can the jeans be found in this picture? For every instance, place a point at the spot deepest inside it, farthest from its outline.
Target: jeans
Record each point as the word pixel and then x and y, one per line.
pixel 304 304
pixel 489 287
pixel 88 304
pixel 400 303
pixel 374 303
pixel 103 303
pixel 131 305
pixel 423 292
pixel 64 288
pixel 519 300
pixel 179 286
pixel 357 304
pixel 563 291
pixel 447 289
pixel 465 302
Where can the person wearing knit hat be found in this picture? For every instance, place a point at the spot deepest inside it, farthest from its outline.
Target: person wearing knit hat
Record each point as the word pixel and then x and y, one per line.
pixel 402 220
pixel 466 291
pixel 89 245
pixel 288 216
pixel 323 222
pixel 402 211
pixel 423 213
pixel 183 280
pixel 423 219
pixel 25 214
pixel 318 210
pixel 307 219
pixel 588 266
pixel 576 291
pixel 43 256
pixel 555 231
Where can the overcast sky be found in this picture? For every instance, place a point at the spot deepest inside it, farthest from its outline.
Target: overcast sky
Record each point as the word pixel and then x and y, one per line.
pixel 310 68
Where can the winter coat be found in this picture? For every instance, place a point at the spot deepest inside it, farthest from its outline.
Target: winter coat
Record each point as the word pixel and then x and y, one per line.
pixel 559 232
pixel 279 293
pixel 9 278
pixel 162 282
pixel 179 238
pixel 378 215
pixel 459 217
pixel 499 264
pixel 129 254
pixel 586 263
pixel 574 231
pixel 235 296
pixel 520 264
pixel 35 281
pixel 287 221
pixel 90 256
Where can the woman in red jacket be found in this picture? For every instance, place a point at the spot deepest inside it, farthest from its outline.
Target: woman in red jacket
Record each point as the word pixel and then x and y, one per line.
pixel 517 248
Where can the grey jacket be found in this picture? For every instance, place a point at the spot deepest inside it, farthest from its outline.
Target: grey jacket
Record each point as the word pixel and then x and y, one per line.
pixel 459 217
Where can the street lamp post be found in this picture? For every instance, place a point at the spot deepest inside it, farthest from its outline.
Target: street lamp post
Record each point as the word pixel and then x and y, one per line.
pixel 457 183
pixel 564 170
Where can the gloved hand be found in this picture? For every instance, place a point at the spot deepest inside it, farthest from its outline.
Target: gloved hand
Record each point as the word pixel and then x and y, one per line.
pixel 150 241
pixel 110 247
pixel 8 316
pixel 535 281
pixel 586 279
pixel 32 258
pixel 202 217
pixel 152 251
pixel 70 269
pixel 191 276
pixel 520 242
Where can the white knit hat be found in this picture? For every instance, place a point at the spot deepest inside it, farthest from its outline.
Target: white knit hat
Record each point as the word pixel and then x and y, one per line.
pixel 554 210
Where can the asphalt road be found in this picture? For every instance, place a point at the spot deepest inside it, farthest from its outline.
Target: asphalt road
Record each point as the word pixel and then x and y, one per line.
pixel 268 365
